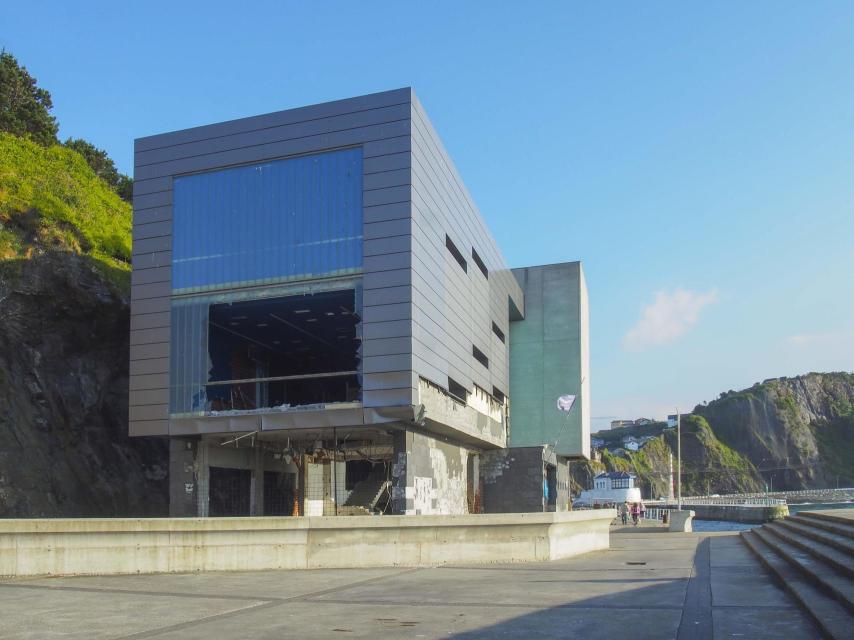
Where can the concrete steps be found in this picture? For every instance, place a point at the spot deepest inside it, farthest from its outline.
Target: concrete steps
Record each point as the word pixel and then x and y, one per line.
pixel 367 493
pixel 840 543
pixel 814 563
pixel 820 521
pixel 839 560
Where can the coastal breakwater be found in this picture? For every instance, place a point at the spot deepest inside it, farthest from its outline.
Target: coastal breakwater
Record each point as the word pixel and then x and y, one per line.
pixel 730 512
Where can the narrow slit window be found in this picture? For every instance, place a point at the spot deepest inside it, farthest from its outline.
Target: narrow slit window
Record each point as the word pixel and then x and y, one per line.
pixel 480 356
pixel 479 263
pixel 498 332
pixel 457 390
pixel 456 253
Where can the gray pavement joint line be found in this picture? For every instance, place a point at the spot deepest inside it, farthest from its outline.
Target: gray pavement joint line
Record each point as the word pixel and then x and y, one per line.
pixel 137 592
pixel 696 622
pixel 492 605
pixel 268 603
pixel 210 596
pixel 150 633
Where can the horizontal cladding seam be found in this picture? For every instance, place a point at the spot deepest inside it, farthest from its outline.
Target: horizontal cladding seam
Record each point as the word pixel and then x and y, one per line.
pixel 501 281
pixel 491 245
pixel 281 123
pixel 432 137
pixel 457 300
pixel 404 163
pixel 373 144
pixel 460 194
pixel 273 157
pixel 281 133
pixel 449 342
pixel 452 353
pixel 431 195
pixel 453 358
pixel 432 192
pixel 457 322
pixel 431 294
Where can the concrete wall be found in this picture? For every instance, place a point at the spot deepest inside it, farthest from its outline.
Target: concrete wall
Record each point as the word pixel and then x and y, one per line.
pixel 158 545
pixel 550 355
pixel 738 513
pixel 513 480
pixel 429 475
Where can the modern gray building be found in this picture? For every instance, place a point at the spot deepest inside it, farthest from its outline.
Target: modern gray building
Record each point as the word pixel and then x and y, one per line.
pixel 321 322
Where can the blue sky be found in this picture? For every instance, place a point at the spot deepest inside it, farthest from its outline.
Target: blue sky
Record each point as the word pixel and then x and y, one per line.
pixel 698 159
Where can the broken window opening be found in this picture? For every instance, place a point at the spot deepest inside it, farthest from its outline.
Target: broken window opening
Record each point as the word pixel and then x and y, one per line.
pixel 283 352
pixel 457 390
pixel 480 356
pixel 479 263
pixel 452 248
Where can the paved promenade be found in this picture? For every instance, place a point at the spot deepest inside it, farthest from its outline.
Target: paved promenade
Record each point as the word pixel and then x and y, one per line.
pixel 650 584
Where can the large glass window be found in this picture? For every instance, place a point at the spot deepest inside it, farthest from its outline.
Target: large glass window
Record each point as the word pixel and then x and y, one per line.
pixel 267 223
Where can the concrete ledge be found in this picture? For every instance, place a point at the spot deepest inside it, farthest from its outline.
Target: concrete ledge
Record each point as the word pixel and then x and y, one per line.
pixel 680 521
pixel 750 514
pixel 170 545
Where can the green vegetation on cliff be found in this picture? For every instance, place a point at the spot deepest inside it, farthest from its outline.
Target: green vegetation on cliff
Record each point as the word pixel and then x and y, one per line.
pixel 709 465
pixel 782 434
pixel 50 199
pixel 799 432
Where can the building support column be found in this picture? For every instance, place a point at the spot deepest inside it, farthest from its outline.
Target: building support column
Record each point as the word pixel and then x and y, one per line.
pixel 182 478
pixel 202 472
pixel 402 496
pixel 256 484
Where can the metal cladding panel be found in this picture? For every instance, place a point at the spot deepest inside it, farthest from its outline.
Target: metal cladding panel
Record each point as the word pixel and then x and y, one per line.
pixel 292 219
pixel 548 355
pixel 376 126
pixel 454 306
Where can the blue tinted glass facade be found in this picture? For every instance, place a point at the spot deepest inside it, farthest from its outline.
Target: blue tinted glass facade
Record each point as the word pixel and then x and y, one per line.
pixel 267 223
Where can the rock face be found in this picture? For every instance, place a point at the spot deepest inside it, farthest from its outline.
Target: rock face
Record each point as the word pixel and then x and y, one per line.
pixel 798 432
pixel 64 448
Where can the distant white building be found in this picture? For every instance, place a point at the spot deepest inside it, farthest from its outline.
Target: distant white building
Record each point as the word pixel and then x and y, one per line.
pixel 617 424
pixel 597 443
pixel 671 419
pixel 612 487
pixel 631 443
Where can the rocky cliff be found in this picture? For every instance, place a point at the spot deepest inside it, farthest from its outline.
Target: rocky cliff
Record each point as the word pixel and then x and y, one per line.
pixel 799 432
pixel 64 448
pixel 781 434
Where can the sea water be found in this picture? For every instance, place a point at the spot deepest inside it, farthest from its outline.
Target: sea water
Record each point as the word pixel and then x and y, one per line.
pixel 720 525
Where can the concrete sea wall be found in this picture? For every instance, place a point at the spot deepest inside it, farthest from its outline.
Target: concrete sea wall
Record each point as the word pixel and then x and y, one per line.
pixel 748 514
pixel 164 545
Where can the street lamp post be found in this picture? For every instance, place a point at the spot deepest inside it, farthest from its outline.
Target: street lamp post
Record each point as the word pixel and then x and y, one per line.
pixel 678 460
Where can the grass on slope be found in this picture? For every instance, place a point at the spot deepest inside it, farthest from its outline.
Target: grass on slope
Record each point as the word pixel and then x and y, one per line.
pixel 51 200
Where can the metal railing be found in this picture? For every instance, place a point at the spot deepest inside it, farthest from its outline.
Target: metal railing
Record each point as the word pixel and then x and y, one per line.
pixel 735 500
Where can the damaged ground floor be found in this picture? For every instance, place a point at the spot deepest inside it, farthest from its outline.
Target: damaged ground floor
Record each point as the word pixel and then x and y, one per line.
pixel 395 469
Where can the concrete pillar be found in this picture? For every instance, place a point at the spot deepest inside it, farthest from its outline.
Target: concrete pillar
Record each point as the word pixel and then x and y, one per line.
pixel 475 497
pixel 256 466
pixel 182 478
pixel 202 471
pixel 399 474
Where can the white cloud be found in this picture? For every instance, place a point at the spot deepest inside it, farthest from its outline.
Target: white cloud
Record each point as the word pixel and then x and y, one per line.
pixel 813 339
pixel 668 318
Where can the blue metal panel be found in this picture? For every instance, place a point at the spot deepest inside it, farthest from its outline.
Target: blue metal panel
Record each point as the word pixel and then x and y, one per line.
pixel 279 221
